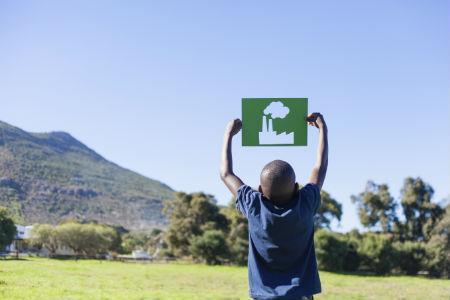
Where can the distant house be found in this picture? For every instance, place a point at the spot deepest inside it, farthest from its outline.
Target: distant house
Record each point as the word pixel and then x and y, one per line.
pixel 141 255
pixel 23 233
pixel 136 255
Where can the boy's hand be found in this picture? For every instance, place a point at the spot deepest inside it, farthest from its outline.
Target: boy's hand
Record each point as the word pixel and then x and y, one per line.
pixel 316 119
pixel 233 127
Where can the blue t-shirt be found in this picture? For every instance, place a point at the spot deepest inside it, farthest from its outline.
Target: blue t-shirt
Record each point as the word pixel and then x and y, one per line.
pixel 281 256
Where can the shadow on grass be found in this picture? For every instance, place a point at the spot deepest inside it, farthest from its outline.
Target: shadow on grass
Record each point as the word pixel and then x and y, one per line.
pixel 13 259
pixel 369 274
pixel 355 273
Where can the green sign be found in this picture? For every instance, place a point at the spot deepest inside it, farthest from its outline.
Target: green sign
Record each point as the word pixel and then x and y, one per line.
pixel 274 121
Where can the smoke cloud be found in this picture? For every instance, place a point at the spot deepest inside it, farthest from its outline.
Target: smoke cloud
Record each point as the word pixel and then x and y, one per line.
pixel 276 109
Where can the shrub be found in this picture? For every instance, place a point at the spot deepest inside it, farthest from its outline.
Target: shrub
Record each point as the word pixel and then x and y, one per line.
pixel 437 261
pixel 239 252
pixel 351 259
pixel 438 248
pixel 331 250
pixel 409 256
pixel 210 247
pixel 376 252
pixel 237 238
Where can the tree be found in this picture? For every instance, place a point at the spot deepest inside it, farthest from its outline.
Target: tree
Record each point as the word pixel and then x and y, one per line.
pixel 45 235
pixel 420 213
pixel 438 247
pixel 190 215
pixel 142 240
pixel 102 239
pixel 7 228
pixel 376 207
pixel 134 241
pixel 86 239
pixel 71 236
pixel 116 245
pixel 329 209
pixel 209 247
pixel 237 238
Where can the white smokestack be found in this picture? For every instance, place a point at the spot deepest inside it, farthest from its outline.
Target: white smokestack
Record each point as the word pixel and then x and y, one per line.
pixel 264 124
pixel 270 125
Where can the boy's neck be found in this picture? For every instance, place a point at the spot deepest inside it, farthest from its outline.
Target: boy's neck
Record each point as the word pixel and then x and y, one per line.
pixel 281 202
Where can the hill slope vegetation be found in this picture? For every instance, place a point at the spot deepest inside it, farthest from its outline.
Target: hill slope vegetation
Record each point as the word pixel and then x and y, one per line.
pixel 49 177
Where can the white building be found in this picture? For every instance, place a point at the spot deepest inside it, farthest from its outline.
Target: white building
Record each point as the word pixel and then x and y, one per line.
pixel 22 233
pixel 140 254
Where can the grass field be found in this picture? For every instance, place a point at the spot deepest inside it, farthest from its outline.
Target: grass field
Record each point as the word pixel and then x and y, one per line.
pixel 90 279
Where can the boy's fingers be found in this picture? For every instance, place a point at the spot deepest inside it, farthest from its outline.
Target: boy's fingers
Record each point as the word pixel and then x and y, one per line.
pixel 312 117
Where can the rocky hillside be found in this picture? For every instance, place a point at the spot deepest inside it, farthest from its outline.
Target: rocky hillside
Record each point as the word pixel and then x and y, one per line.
pixel 49 177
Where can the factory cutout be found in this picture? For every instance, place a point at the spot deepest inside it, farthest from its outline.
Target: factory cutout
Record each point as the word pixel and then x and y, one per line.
pixel 267 136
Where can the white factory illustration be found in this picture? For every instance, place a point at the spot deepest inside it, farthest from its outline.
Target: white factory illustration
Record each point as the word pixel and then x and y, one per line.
pixel 267 136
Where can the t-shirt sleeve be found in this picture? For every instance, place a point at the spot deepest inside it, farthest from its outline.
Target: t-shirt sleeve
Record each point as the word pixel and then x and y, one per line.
pixel 312 193
pixel 246 199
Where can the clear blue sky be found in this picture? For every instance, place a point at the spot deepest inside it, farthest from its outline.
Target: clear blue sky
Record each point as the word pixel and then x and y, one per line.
pixel 150 85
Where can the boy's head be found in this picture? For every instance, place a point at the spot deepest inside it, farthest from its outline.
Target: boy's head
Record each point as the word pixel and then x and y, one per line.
pixel 277 181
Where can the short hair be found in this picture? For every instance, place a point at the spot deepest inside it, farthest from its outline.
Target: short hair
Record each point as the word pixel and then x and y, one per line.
pixel 276 176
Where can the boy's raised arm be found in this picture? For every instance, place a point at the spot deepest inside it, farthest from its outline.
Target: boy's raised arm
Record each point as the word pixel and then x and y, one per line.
pixel 226 168
pixel 320 168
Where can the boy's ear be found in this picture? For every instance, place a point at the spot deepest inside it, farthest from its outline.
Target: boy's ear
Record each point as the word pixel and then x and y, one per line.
pixel 260 189
pixel 296 189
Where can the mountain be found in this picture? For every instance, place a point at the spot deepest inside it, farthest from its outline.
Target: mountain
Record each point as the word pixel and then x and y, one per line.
pixel 49 177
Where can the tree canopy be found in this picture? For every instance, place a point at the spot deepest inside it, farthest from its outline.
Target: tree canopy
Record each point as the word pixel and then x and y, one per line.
pixel 191 215
pixel 420 213
pixel 376 207
pixel 7 228
pixel 329 209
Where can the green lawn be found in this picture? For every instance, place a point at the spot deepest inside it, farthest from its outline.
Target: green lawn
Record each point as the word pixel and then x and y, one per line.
pixel 91 279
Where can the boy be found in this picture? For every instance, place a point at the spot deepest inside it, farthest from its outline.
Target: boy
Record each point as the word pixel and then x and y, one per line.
pixel 281 259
